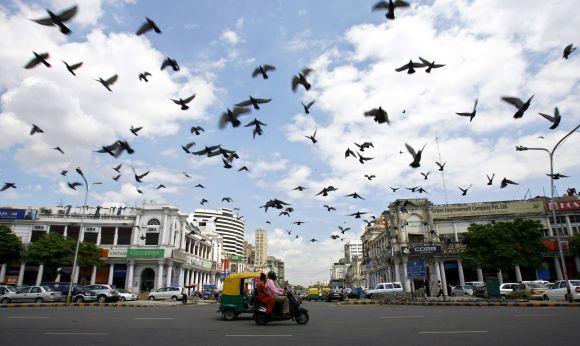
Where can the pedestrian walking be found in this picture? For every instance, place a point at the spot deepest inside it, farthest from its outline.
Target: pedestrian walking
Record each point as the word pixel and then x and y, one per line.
pixel 441 292
pixel 184 295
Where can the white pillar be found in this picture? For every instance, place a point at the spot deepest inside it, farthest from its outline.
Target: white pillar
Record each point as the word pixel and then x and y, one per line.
pixel 479 274
pixel 437 270
pixel 397 273
pixel 39 274
pixel 518 273
pixel 443 278
pixel 116 236
pixel 460 270
pixel 3 272
pixel 57 279
pixel 499 276
pixel 21 274
pixel 129 276
pixel 558 269
pixel 199 281
pixel 168 281
pixel 406 283
pixel 159 281
pixel 94 275
pixel 111 272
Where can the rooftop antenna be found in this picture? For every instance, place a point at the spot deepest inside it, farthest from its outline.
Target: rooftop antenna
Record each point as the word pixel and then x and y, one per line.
pixel 443 171
pixel 528 193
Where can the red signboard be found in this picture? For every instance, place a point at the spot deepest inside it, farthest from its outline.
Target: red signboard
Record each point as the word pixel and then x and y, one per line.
pixel 565 205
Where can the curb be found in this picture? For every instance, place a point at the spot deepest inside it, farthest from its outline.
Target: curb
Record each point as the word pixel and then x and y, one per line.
pixel 110 305
pixel 529 305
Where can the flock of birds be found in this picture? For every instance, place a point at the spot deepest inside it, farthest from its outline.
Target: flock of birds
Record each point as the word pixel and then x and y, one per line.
pixel 232 116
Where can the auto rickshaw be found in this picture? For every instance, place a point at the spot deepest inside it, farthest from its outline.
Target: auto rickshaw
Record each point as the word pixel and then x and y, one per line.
pixel 237 295
pixel 313 293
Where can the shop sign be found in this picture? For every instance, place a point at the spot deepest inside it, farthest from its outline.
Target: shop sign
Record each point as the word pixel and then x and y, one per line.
pixel 117 253
pixel 17 214
pixel 207 264
pixel 416 269
pixel 457 249
pixel 552 245
pixel 564 205
pixel 237 258
pixel 198 263
pixel 145 253
pixel 417 250
pixel 487 209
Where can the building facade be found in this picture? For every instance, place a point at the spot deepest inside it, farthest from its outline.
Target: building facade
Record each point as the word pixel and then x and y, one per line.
pixel 352 250
pixel 261 247
pixel 143 248
pixel 249 253
pixel 277 266
pixel 228 225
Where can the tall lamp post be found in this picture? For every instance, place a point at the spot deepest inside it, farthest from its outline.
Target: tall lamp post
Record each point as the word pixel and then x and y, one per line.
pixel 87 188
pixel 552 205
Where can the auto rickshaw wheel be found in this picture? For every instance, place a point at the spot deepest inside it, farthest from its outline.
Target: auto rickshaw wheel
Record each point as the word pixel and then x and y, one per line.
pixel 229 315
pixel 302 317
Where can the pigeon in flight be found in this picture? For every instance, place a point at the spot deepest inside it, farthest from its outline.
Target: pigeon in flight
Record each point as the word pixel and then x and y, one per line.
pixel 186 175
pixel 263 69
pixel 257 127
pixel 379 114
pixel 143 76
pixel 326 190
pixel 196 130
pixel 38 58
pixel 490 179
pixel 329 208
pixel 299 188
pixel 227 199
pixel 307 107
pixel 227 165
pixel 416 155
pixel 74 185
pixel 138 177
pixel 8 186
pixel 555 120
pixel 410 67
pixel 231 116
pixel 354 195
pixel 209 151
pixel 107 83
pixel 148 25
pixel 134 130
pixel 313 137
pixel 394 189
pixel 203 201
pixel 343 230
pixel 568 50
pixel 63 173
pixel 334 236
pixel 58 19
pixel 505 182
pixel 171 63
pixel 390 7
pixel 402 205
pixel 243 168
pixel 412 189
pixel 425 175
pixel 160 186
pixel 314 240
pixel 430 65
pixel 59 150
pixel 519 104
pixel 200 186
pixel 118 168
pixel 117 148
pixel 421 190
pixel 557 176
pixel 364 146
pixel 441 165
pixel 268 222
pixel 349 153
pixel 73 67
pixel 358 214
pixel 187 146
pixel 254 102
pixel 183 102
pixel 116 178
pixel 362 159
pixel 370 177
pixel 274 203
pixel 139 190
pixel 301 79
pixel 298 222
pixel 289 232
pixel 470 115
pixel 464 191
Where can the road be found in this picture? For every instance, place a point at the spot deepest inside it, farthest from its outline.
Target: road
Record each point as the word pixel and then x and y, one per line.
pixel 329 324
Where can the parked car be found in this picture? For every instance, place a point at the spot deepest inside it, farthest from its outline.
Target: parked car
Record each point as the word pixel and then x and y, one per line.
pixel 172 292
pixel 37 294
pixel 462 290
pixel 334 294
pixel 63 288
pixel 475 284
pixel 385 287
pixel 529 290
pixel 507 289
pixel 125 295
pixel 105 293
pixel 5 293
pixel 559 291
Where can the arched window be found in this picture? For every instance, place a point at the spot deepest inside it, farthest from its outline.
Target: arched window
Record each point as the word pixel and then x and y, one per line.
pixel 152 235
pixel 153 222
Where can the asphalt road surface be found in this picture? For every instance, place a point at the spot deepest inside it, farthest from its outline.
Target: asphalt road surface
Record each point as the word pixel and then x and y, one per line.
pixel 330 324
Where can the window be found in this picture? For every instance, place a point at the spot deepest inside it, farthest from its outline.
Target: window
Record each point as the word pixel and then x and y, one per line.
pixel 57 229
pixel 107 235
pixel 153 222
pixel 90 237
pixel 124 236
pixel 388 286
pixel 73 232
pixel 35 290
pixel 152 238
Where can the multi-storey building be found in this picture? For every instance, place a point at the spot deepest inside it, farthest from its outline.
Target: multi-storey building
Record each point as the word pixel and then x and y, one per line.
pixel 277 266
pixel 228 225
pixel 143 248
pixel 249 253
pixel 261 247
pixel 352 250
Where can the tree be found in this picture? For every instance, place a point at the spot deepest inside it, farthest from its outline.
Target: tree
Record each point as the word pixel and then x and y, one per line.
pixel 10 245
pixel 575 244
pixel 89 255
pixel 52 250
pixel 503 245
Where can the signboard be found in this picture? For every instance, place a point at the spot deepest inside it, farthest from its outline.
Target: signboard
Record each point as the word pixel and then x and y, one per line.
pixel 237 258
pixel 564 205
pixel 17 214
pixel 416 269
pixel 118 252
pixel 487 209
pixel 456 249
pixel 207 264
pixel 417 250
pixel 181 255
pixel 145 253
pixel 198 263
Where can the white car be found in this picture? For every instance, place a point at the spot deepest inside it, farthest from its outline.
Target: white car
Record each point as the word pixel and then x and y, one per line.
pixel 506 289
pixel 173 293
pixel 386 287
pixel 125 295
pixel 559 291
pixel 37 294
pixel 462 290
pixel 475 284
pixel 5 293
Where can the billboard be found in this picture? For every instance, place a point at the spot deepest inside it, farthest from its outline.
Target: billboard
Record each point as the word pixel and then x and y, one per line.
pixel 17 214
pixel 564 205
pixel 487 209
pixel 416 269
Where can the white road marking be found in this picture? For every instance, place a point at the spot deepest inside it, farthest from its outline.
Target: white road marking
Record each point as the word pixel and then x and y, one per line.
pixel 534 315
pixel 153 318
pixel 455 332
pixel 27 317
pixel 76 333
pixel 257 335
pixel 393 317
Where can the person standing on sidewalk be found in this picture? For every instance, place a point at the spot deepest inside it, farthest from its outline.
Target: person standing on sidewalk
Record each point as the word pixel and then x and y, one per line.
pixel 184 295
pixel 441 292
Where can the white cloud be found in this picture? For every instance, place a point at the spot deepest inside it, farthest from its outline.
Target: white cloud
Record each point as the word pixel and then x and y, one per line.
pixel 230 37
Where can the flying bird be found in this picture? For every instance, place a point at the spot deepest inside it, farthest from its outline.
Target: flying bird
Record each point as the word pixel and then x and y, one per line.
pixel 505 182
pixel 329 208
pixel 116 178
pixel 187 146
pixel 334 236
pixel 358 214
pixel 138 177
pixel 555 120
pixel 430 65
pixel 289 232
pixel 35 129
pixel 203 201
pixel 349 153
pixel 227 199
pixel 148 25
pixel 243 168
pixel 231 116
pixel 364 146
pixel 557 176
pixel 183 102
pixel 390 7
pixel 139 190
pixel 314 240
pixel 298 222
pixel 134 130
pixel 38 58
pixel 160 186
pixel 370 177
pixel 490 179
pixel 301 79
pixel 425 175
pixel 196 130
pixel 186 175
pixel 471 115
pixel 254 102
pixel 326 190
pixel 362 159
pixel 402 205
pixel 8 186
pixel 200 186
pixel 63 173
pixel 441 165
pixel 74 185
pixel 107 83
pixel 394 189
pixel 143 76
pixel 299 188
pixel 354 195
pixel 58 19
pixel 257 127
pixel 274 203
pixel 307 106
pixel 569 49
pixel 416 155
pixel 519 104
pixel 379 114
pixel 421 190
pixel 262 69
pixel 117 148
pixel 118 168
pixel 343 230
pixel 410 67
pixel 73 67
pixel 59 150
pixel 464 191
pixel 171 63
pixel 209 151
pixel 227 164
pixel 313 137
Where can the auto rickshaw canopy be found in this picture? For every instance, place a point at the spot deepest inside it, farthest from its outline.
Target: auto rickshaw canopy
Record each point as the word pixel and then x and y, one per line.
pixel 232 282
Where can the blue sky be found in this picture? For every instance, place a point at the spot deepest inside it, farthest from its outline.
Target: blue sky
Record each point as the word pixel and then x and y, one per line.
pixel 491 50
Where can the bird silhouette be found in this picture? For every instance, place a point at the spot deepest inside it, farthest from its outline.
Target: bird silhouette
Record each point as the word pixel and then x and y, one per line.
pixel 343 230
pixel 362 159
pixel 505 182
pixel 421 190
pixel 59 150
pixel 314 240
pixel 200 186
pixel 139 190
pixel 186 175
pixel 274 203
pixel 243 168
pixel 138 177
pixel 74 185
pixel 116 178
pixel 107 83
pixel 364 146
pixel 299 188
pixel 73 67
pixel 227 199
pixel 471 115
pixel 7 186
pixel 464 191
pixel 231 116
pixel 263 69
pixel 370 177
pixel 329 208
pixel 394 189
pixel 555 120
pixel 379 114
pixel 227 165
pixel 134 130
pixel 203 201
pixel 307 106
pixel 416 155
pixel 519 104
pixel 38 58
pixel 313 137
pixel 187 146
pixel 334 236
pixel 409 67
pixel 143 76
pixel 117 148
pixel 171 63
pixel 569 49
pixel 301 79
pixel 289 232
pixel 257 127
pixel 430 65
pixel 354 195
pixel 118 168
pixel 298 222
pixel 196 130
pixel 441 165
pixel 490 179
pixel 253 102
pixel 63 173
pixel 58 19
pixel 324 192
pixel 148 25
pixel 183 102
pixel 390 7
pixel 357 215
pixel 349 153
pixel 557 176
pixel 160 186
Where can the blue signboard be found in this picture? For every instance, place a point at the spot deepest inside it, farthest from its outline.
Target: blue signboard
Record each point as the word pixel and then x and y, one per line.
pixel 416 269
pixel 17 214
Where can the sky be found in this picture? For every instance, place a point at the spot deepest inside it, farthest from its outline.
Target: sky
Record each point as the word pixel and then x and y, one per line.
pixel 490 49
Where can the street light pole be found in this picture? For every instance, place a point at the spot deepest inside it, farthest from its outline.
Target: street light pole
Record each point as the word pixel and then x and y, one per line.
pixel 552 204
pixel 87 188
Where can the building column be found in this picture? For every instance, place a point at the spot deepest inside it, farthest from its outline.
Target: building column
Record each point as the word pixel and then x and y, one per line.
pixel 21 274
pixel 181 277
pixel 116 236
pixel 159 279
pixel 406 283
pixel 39 274
pixel 111 272
pixel 168 280
pixel 129 276
pixel 443 278
pixel 499 276
pixel 437 270
pixel 199 287
pixel 479 274
pixel 3 272
pixel 460 270
pixel 57 279
pixel 397 273
pixel 94 275
pixel 558 269
pixel 518 273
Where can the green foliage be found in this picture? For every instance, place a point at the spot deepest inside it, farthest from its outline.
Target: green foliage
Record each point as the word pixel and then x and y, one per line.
pixel 10 245
pixel 89 255
pixel 52 249
pixel 503 245
pixel 575 244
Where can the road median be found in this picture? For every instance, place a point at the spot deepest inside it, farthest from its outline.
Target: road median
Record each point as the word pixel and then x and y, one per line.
pixel 542 304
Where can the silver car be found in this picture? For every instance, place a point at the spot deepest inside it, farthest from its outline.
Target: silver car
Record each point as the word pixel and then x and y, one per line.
pixel 125 295
pixel 105 293
pixel 462 290
pixel 173 293
pixel 37 294
pixel 6 292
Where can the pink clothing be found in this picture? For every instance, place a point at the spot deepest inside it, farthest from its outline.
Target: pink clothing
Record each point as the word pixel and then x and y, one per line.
pixel 271 289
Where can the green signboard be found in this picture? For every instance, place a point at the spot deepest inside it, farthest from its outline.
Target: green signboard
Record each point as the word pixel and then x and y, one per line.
pixel 207 264
pixel 146 253
pixel 237 258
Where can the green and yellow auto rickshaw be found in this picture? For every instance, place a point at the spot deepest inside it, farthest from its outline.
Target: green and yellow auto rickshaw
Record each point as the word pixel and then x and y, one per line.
pixel 237 295
pixel 313 293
